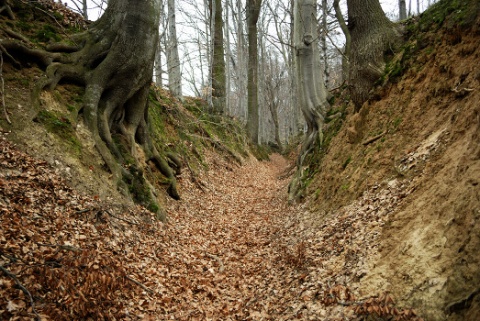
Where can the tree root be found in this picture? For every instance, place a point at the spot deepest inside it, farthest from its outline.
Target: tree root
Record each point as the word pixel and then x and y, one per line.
pixel 24 290
pixel 6 7
pixel 116 77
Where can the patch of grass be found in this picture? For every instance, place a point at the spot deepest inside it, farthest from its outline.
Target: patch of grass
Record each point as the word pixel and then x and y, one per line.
pixel 396 122
pixel 345 187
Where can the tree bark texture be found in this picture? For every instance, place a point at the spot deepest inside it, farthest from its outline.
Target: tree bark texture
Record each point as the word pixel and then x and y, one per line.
pixel 173 61
pixel 372 36
pixel 348 39
pixel 310 85
pixel 402 9
pixel 114 61
pixel 253 12
pixel 218 62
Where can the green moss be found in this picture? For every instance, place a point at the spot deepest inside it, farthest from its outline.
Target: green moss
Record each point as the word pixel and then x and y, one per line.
pixel 59 125
pixel 46 34
pixel 449 12
pixel 24 26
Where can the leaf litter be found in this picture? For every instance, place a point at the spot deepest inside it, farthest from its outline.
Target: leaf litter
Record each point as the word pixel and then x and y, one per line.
pixel 233 250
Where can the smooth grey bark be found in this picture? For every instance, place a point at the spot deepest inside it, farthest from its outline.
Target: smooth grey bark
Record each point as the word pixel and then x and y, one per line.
pixel 158 66
pixel 310 85
pixel 402 9
pixel 272 86
pixel 173 60
pixel 114 61
pixel 158 71
pixel 372 36
pixel 228 58
pixel 253 12
pixel 348 39
pixel 218 59
pixel 324 41
pixel 242 65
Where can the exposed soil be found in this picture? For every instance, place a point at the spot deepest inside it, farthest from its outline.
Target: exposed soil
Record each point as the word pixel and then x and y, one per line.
pixel 427 125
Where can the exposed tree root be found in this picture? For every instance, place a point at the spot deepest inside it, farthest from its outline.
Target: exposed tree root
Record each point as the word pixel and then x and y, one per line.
pixel 114 63
pixel 21 287
pixel 5 6
pixel 313 136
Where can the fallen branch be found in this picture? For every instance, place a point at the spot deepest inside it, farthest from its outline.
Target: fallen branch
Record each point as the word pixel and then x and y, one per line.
pixel 83 211
pixel 462 91
pixel 371 140
pixel 24 290
pixel 143 286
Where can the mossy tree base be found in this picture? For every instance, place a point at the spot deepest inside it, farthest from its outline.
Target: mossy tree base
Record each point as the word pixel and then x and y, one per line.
pixel 114 61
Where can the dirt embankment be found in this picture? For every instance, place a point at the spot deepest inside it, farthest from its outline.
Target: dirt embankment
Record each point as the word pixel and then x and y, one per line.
pixel 424 132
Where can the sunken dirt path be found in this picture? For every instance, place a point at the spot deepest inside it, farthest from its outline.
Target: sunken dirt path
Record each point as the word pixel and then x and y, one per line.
pixel 249 255
pixel 231 250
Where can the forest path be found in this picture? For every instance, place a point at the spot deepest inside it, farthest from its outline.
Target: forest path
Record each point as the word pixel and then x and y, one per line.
pixel 242 252
pixel 231 250
pixel 227 234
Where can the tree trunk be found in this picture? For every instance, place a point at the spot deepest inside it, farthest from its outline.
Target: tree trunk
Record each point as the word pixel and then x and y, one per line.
pixel 312 99
pixel 173 61
pixel 115 63
pixel 348 39
pixel 372 35
pixel 218 62
pixel 242 65
pixel 253 12
pixel 402 9
pixel 323 38
pixel 158 66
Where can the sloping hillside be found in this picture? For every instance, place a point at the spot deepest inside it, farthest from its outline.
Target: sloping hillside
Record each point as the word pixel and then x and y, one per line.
pixel 420 132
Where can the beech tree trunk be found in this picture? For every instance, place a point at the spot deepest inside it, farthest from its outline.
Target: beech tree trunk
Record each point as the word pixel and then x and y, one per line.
pixel 348 39
pixel 114 60
pixel 310 85
pixel 402 9
pixel 218 62
pixel 253 12
pixel 173 61
pixel 372 36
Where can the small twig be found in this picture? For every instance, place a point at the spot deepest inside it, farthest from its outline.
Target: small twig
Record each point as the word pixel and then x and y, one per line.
pixel 2 84
pixel 143 286
pixel 120 218
pixel 24 290
pixel 462 90
pixel 338 87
